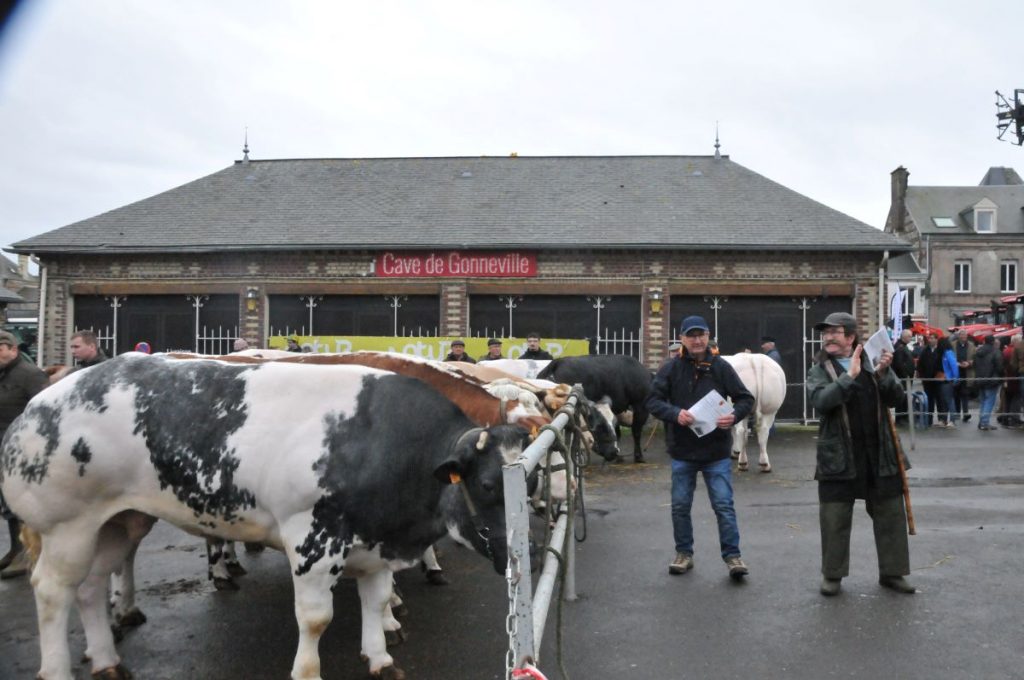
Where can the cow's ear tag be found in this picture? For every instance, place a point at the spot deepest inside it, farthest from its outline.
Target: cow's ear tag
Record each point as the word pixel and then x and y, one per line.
pixel 481 443
pixel 454 477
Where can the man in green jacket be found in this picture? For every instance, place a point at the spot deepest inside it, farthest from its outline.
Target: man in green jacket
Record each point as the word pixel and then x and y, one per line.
pixel 857 456
pixel 20 380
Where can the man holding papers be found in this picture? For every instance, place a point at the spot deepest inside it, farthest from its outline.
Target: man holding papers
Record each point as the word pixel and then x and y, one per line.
pixel 688 393
pixel 850 385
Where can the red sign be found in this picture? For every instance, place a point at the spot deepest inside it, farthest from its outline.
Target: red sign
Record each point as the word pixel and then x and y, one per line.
pixel 459 263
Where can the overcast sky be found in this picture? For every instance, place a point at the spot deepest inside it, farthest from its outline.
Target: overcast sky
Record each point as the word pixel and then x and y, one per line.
pixel 106 102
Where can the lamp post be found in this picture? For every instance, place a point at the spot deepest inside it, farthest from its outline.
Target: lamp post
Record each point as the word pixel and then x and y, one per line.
pixel 395 302
pixel 511 302
pixel 716 304
pixel 115 304
pixel 311 301
pixel 805 304
pixel 197 304
pixel 598 303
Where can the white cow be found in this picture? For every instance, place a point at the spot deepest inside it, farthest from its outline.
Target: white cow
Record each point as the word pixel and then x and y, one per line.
pixel 766 380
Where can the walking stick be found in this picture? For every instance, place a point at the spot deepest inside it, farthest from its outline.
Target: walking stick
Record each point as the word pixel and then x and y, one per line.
pixel 903 472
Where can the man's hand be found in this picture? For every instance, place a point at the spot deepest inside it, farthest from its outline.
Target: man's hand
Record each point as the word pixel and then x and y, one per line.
pixel 884 362
pixel 725 422
pixel 854 370
pixel 685 418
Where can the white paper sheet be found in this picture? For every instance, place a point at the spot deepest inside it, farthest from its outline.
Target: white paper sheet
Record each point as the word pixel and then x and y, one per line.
pixel 707 411
pixel 876 344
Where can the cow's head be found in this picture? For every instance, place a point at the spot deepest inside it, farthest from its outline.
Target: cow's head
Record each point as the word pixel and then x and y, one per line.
pixel 601 422
pixel 476 513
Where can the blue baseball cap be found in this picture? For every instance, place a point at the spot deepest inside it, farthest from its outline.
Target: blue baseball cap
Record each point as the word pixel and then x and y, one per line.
pixel 691 323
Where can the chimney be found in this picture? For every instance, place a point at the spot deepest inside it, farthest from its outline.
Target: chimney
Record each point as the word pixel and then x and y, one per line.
pixel 894 223
pixel 23 266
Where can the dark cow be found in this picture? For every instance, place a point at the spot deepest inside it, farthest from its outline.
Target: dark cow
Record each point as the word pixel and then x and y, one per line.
pixel 349 470
pixel 621 379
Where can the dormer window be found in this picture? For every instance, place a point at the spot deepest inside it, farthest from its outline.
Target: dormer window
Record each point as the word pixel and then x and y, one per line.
pixel 984 216
pixel 984 221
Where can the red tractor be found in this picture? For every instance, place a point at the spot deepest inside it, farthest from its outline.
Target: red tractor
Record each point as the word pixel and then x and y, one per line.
pixel 918 327
pixel 1013 319
pixel 993 321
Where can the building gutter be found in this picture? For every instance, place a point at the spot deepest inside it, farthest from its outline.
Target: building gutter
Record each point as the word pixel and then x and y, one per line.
pixel 41 314
pixel 882 297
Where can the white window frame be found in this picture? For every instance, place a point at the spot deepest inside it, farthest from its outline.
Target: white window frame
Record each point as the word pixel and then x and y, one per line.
pixel 978 212
pixel 910 300
pixel 962 276
pixel 1008 276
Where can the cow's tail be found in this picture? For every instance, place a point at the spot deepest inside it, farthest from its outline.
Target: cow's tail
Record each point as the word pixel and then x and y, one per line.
pixel 33 542
pixel 759 384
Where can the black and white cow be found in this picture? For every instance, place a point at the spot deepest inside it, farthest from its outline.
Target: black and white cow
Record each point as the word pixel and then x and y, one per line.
pixel 621 379
pixel 349 470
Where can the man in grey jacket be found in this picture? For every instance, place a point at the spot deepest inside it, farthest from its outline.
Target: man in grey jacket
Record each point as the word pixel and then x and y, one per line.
pixel 857 455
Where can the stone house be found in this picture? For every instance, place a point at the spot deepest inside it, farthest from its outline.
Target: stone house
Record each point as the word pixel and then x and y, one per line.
pixel 967 243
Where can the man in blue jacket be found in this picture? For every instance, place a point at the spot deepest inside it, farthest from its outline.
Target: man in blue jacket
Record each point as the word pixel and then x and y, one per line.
pixel 679 384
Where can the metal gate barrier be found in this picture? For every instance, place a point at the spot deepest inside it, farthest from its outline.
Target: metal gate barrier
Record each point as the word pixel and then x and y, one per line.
pixel 528 609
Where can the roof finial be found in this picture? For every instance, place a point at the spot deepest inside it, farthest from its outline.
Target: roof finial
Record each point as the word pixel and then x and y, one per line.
pixel 245 149
pixel 718 155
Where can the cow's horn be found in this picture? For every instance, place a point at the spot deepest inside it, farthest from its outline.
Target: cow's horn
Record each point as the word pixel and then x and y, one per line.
pixel 481 443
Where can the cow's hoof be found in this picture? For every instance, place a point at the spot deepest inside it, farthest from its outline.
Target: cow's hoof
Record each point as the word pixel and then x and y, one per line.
pixel 436 577
pixel 388 673
pixel 765 467
pixel 236 569
pixel 393 638
pixel 742 467
pixel 224 583
pixel 638 458
pixel 117 672
pixel 133 619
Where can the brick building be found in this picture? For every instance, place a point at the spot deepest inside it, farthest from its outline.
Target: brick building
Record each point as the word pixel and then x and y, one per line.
pixel 602 248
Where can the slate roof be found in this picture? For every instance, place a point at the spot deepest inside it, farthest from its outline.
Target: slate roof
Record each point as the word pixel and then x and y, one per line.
pixel 634 202
pixel 957 203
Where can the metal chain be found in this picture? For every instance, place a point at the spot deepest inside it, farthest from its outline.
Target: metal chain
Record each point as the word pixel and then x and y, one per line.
pixel 512 576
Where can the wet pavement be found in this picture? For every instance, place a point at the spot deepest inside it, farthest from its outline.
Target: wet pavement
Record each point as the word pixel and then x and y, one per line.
pixel 634 620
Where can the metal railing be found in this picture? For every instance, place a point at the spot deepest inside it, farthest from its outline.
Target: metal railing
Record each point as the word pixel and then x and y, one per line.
pixel 529 607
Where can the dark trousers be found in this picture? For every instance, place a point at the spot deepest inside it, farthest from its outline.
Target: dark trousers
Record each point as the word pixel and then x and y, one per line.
pixel 933 388
pixel 962 397
pixel 890 524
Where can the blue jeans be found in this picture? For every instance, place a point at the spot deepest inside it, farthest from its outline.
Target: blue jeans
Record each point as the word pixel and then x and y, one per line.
pixel 718 480
pixel 988 402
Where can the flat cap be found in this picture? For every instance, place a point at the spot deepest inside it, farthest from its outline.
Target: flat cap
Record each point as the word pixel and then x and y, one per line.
pixel 843 319
pixel 493 341
pixel 7 338
pixel 458 342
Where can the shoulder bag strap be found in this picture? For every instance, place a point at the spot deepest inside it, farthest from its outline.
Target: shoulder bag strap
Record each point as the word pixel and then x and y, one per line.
pixel 846 417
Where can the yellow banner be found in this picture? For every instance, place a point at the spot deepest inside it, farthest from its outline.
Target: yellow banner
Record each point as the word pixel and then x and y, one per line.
pixel 426 348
